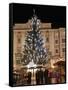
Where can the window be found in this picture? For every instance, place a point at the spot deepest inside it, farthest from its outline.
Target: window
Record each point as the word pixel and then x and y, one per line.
pixel 19 40
pixel 63 49
pixel 18 61
pixel 19 35
pixel 63 40
pixel 56 34
pixel 56 50
pixel 47 33
pixel 47 39
pixel 18 57
pixel 56 41
pixel 18 49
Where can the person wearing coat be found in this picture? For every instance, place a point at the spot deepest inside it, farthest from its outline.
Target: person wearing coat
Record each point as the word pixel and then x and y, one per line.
pixel 41 76
pixel 29 78
pixel 46 76
pixel 37 77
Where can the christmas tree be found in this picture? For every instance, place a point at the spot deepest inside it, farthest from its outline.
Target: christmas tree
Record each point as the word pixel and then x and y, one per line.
pixel 33 48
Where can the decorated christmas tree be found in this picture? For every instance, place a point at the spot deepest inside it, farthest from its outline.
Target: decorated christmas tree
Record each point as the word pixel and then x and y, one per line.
pixel 33 48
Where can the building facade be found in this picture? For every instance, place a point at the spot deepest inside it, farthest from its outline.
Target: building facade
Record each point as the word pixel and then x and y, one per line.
pixel 54 41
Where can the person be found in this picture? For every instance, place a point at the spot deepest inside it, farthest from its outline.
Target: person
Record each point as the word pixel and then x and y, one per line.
pixel 41 76
pixel 46 76
pixel 14 79
pixel 58 77
pixel 29 78
pixel 53 78
pixel 37 77
pixel 49 75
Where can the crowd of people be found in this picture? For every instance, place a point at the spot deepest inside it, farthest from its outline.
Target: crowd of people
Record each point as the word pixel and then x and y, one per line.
pixel 47 76
pixel 42 77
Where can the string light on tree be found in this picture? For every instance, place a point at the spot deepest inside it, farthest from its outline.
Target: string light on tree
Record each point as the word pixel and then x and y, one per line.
pixel 34 52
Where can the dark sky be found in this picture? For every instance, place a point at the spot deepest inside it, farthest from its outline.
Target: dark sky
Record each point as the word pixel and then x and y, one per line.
pixel 54 14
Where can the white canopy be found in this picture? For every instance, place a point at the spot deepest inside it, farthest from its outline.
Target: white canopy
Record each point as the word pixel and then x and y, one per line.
pixel 31 64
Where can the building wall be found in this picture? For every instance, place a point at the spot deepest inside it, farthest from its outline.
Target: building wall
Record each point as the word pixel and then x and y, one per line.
pixel 54 41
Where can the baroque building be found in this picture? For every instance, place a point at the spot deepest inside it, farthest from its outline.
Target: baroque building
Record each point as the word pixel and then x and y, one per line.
pixel 54 42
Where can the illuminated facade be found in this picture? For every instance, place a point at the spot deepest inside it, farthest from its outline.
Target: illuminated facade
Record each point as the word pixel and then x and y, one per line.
pixel 54 41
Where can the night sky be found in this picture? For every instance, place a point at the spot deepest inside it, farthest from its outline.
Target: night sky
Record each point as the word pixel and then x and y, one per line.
pixel 54 14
